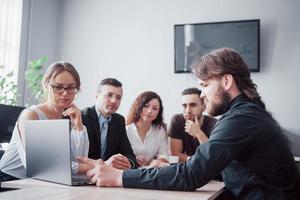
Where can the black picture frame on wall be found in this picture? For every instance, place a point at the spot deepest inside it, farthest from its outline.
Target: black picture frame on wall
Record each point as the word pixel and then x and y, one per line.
pixel 193 40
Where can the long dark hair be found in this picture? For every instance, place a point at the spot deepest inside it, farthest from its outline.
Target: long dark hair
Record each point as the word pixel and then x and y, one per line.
pixel 138 105
pixel 228 61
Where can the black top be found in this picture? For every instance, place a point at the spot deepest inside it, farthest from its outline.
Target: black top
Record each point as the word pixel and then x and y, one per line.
pixel 190 144
pixel 117 140
pixel 247 145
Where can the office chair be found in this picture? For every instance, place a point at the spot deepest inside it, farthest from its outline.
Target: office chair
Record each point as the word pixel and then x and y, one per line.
pixel 8 117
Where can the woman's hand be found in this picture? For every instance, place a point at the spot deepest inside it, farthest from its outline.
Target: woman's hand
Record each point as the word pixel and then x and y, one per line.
pixel 141 160
pixel 75 117
pixel 158 163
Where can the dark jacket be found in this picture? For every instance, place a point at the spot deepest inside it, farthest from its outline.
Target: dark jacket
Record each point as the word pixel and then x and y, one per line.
pixel 117 140
pixel 246 145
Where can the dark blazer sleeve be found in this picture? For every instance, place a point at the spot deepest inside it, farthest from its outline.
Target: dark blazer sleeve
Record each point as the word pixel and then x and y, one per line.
pixel 126 149
pixel 117 141
pixel 90 120
pixel 209 160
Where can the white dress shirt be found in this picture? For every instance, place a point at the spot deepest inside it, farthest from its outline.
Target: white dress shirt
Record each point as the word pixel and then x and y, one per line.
pixel 155 144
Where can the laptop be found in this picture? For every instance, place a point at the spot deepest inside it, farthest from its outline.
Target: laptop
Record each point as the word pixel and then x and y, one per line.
pixel 48 152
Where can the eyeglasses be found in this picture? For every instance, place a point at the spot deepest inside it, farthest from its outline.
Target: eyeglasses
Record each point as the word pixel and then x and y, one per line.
pixel 59 89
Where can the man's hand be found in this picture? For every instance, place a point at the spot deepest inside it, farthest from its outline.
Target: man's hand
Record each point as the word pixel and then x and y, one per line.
pixel 118 161
pixel 101 174
pixel 193 129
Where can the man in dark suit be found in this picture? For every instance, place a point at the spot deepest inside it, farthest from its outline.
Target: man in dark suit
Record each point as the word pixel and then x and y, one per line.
pixel 106 129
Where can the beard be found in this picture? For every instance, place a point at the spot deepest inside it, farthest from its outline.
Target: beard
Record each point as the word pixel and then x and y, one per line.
pixel 192 116
pixel 220 103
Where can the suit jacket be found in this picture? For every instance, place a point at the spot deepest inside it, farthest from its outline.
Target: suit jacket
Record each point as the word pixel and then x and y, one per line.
pixel 117 140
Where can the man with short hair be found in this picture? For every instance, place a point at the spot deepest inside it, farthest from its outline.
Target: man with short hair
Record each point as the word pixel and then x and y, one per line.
pixel 191 128
pixel 106 129
pixel 247 145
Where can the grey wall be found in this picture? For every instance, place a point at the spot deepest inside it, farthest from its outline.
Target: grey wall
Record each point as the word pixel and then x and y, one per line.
pixel 40 34
pixel 132 40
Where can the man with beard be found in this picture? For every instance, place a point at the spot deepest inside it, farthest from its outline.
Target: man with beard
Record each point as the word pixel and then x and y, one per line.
pixel 106 129
pixel 191 128
pixel 247 145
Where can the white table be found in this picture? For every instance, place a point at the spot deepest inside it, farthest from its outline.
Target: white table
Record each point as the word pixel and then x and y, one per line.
pixel 34 189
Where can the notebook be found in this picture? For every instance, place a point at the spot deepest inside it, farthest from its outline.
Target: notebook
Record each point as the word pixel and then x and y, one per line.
pixel 48 152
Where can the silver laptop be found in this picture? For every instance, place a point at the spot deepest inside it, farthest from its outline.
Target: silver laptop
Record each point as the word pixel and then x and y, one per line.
pixel 48 152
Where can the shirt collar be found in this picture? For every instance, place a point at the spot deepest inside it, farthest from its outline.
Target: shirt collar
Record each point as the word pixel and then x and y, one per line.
pixel 102 119
pixel 237 100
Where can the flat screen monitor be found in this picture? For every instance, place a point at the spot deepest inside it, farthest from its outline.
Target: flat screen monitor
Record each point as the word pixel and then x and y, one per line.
pixel 193 40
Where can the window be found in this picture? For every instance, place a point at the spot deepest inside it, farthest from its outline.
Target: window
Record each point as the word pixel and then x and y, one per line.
pixel 10 35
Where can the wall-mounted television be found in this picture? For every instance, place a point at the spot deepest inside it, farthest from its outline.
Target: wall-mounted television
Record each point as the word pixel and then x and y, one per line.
pixel 193 40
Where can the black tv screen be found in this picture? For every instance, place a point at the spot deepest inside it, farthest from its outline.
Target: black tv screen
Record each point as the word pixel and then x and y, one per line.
pixel 193 40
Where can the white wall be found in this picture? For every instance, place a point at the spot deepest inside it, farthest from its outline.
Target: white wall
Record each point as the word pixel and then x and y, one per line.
pixel 132 41
pixel 40 34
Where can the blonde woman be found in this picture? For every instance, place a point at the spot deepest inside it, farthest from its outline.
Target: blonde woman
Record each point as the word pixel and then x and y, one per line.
pixel 61 83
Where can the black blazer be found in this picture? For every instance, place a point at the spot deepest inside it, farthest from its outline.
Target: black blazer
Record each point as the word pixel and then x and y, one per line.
pixel 117 140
